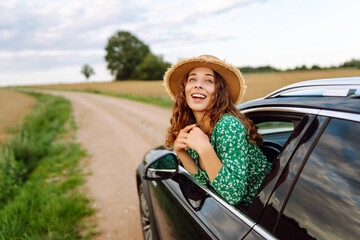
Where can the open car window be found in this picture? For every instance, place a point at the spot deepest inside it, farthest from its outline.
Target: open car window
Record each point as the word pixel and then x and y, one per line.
pixel 275 134
pixel 279 178
pixel 265 128
pixel 279 129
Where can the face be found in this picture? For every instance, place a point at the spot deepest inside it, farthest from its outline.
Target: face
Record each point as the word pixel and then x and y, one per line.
pixel 199 89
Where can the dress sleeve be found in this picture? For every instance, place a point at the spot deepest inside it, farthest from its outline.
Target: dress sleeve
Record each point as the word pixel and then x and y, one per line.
pixel 232 150
pixel 199 175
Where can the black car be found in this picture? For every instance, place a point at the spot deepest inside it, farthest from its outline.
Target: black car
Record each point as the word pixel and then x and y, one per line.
pixel 311 133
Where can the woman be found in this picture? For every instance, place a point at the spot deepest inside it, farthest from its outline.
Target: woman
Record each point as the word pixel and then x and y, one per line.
pixel 216 144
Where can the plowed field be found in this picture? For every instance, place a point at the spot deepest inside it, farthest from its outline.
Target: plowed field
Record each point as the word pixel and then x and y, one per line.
pixel 13 106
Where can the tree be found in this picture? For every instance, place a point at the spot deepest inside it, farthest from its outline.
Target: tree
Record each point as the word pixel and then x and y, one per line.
pixel 353 63
pixel 315 67
pixel 303 67
pixel 261 69
pixel 152 68
pixel 124 52
pixel 87 70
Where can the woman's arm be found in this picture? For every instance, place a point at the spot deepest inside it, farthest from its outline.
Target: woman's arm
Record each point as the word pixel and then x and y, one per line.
pixel 187 161
pixel 179 147
pixel 209 161
pixel 186 158
pixel 227 167
pixel 231 147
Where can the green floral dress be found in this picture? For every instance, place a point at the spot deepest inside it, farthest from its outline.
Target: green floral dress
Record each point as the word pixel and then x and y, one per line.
pixel 244 165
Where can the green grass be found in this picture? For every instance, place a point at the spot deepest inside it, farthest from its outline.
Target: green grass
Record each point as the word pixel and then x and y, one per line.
pixel 40 174
pixel 156 100
pixel 160 101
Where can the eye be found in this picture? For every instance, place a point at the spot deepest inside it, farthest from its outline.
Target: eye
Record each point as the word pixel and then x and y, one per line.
pixel 191 80
pixel 209 81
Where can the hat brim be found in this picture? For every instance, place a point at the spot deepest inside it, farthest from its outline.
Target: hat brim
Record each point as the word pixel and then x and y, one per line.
pixel 180 70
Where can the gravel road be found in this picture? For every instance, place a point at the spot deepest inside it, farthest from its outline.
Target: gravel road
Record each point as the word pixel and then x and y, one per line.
pixel 116 133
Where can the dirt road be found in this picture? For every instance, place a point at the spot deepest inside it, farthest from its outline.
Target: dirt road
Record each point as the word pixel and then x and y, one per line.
pixel 116 133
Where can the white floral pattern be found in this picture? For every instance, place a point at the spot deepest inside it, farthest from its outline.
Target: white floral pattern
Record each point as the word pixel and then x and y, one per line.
pixel 244 165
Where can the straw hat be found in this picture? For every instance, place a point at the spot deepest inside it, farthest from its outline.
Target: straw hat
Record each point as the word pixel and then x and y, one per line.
pixel 179 71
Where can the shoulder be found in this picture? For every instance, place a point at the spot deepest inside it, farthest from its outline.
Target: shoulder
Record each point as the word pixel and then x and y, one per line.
pixel 229 124
pixel 229 121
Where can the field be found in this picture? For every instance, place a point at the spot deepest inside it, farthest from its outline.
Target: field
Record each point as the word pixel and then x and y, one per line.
pixel 40 175
pixel 259 84
pixel 13 106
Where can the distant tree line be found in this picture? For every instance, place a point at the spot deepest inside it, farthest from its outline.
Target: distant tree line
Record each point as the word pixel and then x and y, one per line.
pixel 354 63
pixel 261 69
pixel 129 58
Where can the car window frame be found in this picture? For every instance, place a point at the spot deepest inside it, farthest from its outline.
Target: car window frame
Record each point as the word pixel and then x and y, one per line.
pixel 328 115
pixel 278 112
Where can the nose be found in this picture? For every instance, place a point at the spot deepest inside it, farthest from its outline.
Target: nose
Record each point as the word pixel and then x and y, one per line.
pixel 199 84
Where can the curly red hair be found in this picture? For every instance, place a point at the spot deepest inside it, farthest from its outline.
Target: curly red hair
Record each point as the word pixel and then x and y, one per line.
pixel 182 115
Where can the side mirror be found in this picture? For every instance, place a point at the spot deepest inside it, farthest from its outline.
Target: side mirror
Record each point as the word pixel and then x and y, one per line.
pixel 162 167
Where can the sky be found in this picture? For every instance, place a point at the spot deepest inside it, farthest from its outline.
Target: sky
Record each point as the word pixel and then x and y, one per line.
pixel 48 41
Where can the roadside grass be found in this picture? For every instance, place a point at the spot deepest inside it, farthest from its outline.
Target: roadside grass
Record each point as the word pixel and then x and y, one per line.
pixel 156 100
pixel 40 176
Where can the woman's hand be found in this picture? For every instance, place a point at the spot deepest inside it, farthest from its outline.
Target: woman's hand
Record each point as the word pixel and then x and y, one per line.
pixel 197 140
pixel 179 147
pixel 180 142
pixel 209 162
pixel 193 137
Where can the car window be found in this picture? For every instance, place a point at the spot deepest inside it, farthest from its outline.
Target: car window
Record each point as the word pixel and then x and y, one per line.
pixel 325 203
pixel 267 204
pixel 283 127
pixel 275 134
pixel 275 127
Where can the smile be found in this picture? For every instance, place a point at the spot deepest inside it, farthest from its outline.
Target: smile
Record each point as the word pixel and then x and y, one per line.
pixel 198 95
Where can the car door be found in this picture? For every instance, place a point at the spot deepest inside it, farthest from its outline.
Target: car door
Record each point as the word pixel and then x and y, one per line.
pixel 186 210
pixel 325 202
pixel 174 218
pixel 320 200
pixel 307 125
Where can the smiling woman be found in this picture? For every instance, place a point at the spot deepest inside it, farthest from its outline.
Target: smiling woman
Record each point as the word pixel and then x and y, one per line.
pixel 216 144
pixel 199 90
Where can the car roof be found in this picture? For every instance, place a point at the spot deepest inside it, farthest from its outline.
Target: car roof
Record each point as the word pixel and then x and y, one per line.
pixel 340 94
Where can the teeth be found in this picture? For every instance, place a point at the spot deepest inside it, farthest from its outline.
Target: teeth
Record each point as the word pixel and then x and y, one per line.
pixel 198 95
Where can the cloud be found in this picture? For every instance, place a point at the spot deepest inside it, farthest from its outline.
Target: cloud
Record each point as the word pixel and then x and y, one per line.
pixel 7 34
pixel 60 24
pixel 67 23
pixel 179 17
pixel 46 34
pixel 28 60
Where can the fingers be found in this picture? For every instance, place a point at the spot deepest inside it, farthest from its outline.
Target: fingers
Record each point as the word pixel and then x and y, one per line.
pixel 188 128
pixel 180 143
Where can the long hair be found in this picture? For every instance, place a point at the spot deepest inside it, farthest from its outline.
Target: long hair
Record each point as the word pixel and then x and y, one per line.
pixel 182 115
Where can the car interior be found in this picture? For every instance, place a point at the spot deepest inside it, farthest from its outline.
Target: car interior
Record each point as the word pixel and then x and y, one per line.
pixel 276 129
pixel 275 134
